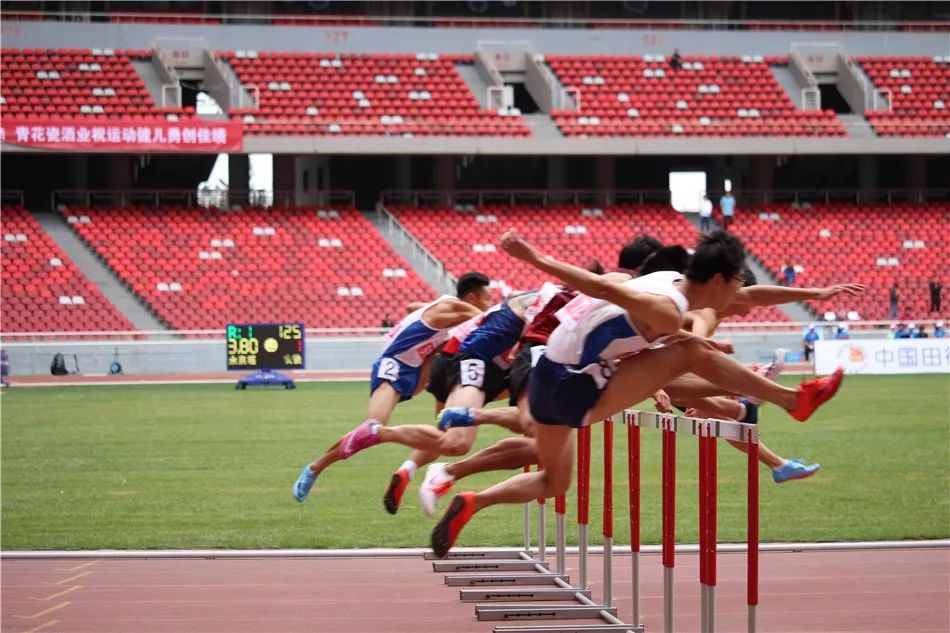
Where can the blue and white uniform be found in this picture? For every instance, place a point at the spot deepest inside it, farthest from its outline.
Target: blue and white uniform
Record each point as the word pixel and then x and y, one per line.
pixel 584 350
pixel 408 345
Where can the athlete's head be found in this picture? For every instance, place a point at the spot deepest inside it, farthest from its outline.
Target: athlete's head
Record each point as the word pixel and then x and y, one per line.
pixel 474 288
pixel 740 309
pixel 717 268
pixel 673 258
pixel 635 253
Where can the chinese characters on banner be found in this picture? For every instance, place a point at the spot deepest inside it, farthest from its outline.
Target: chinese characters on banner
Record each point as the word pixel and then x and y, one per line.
pixel 124 134
pixel 884 356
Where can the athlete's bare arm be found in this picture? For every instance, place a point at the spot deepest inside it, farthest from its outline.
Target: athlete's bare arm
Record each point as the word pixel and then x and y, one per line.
pixel 764 295
pixel 449 313
pixel 658 313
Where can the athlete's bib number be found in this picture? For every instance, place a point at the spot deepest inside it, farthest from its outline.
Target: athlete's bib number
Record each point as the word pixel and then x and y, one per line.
pixel 472 372
pixel 536 353
pixel 388 370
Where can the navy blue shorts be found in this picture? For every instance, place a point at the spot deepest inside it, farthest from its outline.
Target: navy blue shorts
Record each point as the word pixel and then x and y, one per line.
pixel 558 395
pixel 403 378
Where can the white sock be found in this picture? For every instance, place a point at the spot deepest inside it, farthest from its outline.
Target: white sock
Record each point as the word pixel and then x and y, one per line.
pixel 374 426
pixel 410 467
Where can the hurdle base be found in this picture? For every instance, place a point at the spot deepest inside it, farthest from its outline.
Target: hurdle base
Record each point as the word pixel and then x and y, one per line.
pixel 514 595
pixel 569 628
pixel 494 554
pixel 492 612
pixel 472 580
pixel 487 565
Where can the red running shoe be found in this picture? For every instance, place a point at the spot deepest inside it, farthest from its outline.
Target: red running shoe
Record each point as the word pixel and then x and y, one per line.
pixel 447 530
pixel 815 392
pixel 397 486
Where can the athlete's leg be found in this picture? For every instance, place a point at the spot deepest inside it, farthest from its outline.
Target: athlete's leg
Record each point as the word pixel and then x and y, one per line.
pixel 428 438
pixel 381 404
pixel 556 453
pixel 641 375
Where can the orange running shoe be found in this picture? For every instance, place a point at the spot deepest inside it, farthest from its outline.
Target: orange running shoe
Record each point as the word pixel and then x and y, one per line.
pixel 815 392
pixel 397 486
pixel 447 530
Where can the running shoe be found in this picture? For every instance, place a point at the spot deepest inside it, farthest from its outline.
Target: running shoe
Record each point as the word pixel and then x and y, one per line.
pixel 770 371
pixel 397 486
pixel 304 483
pixel 793 469
pixel 455 417
pixel 359 438
pixel 447 530
pixel 815 392
pixel 435 485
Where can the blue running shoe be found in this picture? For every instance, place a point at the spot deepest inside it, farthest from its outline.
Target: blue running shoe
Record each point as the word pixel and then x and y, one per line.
pixel 304 483
pixel 454 417
pixel 751 412
pixel 793 469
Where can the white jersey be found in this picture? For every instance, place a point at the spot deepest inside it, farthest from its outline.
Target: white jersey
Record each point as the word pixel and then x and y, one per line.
pixel 595 330
pixel 412 341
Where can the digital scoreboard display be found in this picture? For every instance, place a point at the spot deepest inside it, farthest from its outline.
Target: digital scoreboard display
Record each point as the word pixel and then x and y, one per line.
pixel 265 346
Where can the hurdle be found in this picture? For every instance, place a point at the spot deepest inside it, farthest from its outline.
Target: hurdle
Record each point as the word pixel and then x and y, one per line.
pixel 508 588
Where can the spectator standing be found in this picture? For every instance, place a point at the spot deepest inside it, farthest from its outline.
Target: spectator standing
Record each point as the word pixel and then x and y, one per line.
pixel 788 274
pixel 939 330
pixel 894 298
pixel 906 315
pixel 387 322
pixel 728 205
pixel 705 213
pixel 935 289
pixel 676 62
pixel 809 342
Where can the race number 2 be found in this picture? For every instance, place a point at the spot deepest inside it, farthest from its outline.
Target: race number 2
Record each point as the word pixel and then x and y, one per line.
pixel 388 370
pixel 472 372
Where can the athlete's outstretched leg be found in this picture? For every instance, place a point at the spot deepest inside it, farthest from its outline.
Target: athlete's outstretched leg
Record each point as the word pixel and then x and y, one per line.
pixel 555 445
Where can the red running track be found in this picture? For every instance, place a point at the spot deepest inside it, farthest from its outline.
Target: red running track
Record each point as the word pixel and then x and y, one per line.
pixel 898 591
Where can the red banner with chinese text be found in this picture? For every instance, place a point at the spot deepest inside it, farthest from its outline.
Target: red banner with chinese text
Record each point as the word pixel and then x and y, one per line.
pixel 124 134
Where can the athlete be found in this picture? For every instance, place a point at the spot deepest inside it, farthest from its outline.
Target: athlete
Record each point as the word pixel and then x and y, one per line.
pixel 603 357
pixel 402 369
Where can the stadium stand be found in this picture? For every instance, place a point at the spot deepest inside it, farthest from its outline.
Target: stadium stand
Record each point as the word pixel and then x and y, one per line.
pixel 387 94
pixel 466 238
pixel 200 268
pixel 920 95
pixel 71 83
pixel 43 291
pixel 872 244
pixel 708 96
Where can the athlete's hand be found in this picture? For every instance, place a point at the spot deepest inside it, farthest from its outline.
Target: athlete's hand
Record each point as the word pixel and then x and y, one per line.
pixel 723 346
pixel 518 247
pixel 663 403
pixel 852 290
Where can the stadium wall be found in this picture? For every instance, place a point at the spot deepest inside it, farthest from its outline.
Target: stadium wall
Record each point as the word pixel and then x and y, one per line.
pixel 351 39
pixel 324 353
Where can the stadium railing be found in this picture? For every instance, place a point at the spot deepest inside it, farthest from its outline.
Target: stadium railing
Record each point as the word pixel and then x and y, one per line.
pixel 74 15
pixel 194 197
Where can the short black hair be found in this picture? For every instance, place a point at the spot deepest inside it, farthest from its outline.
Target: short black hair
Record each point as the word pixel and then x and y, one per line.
pixel 719 253
pixel 748 277
pixel 667 258
pixel 636 252
pixel 470 282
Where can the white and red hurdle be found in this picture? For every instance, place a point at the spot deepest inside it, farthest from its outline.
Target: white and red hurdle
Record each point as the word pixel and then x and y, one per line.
pixel 525 577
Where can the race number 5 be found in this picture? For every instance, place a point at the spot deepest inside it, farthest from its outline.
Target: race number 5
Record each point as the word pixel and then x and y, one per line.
pixel 472 372
pixel 388 370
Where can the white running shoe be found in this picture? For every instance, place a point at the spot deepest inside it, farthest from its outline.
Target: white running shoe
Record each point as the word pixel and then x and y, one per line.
pixel 436 483
pixel 771 371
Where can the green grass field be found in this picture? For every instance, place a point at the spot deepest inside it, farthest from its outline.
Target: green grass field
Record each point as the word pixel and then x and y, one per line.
pixel 205 466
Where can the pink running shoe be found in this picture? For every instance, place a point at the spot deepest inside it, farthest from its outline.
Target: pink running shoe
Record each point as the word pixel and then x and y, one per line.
pixel 359 438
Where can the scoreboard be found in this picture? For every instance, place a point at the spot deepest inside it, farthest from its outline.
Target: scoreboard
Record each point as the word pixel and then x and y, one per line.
pixel 265 346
